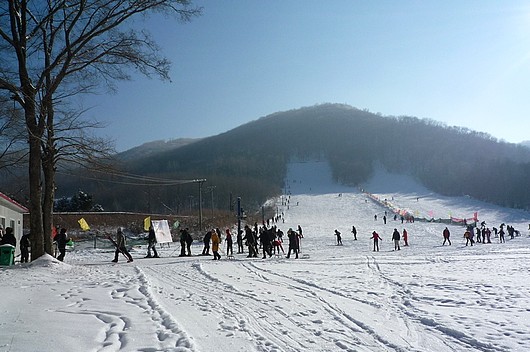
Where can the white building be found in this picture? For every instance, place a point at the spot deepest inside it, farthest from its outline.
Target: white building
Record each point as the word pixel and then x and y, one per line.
pixel 11 214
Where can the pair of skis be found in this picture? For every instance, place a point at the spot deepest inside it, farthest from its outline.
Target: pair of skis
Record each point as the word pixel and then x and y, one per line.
pixel 116 245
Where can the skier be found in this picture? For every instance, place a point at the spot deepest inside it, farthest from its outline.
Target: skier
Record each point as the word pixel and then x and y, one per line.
pixel 384 219
pixel 501 236
pixel 468 237
pixel 215 245
pixel 488 235
pixel 354 231
pixel 396 238
pixel 405 237
pixel 277 245
pixel 120 247
pixel 339 238
pixel 446 235
pixel 376 238
pixel 151 243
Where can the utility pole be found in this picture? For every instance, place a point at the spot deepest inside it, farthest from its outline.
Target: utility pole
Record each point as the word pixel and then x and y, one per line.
pixel 200 203
pixel 238 215
pixel 211 188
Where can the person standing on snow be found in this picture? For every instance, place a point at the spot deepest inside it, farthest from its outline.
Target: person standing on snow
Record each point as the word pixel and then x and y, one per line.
pixel 354 231
pixel 405 237
pixel 120 247
pixel 501 236
pixel 25 244
pixel 293 243
pixel 251 242
pixel 182 240
pixel 446 234
pixel 215 245
pixel 239 240
pixel 468 237
pixel 300 231
pixel 151 243
pixel 229 243
pixel 339 238
pixel 61 239
pixel 206 241
pixel 376 238
pixel 396 238
pixel 189 241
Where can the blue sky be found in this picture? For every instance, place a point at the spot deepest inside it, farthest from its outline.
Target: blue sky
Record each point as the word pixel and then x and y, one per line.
pixel 464 63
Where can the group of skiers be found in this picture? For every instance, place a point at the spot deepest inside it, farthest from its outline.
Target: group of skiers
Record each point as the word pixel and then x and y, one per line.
pixel 396 238
pixel 483 233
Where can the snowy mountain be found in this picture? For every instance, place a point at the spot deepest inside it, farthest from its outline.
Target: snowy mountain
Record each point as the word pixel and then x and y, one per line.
pixel 423 297
pixel 251 160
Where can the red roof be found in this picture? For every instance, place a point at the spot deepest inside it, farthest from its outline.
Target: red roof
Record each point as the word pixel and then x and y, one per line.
pixel 22 208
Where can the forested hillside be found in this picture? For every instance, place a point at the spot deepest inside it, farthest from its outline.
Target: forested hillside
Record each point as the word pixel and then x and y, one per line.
pixel 250 160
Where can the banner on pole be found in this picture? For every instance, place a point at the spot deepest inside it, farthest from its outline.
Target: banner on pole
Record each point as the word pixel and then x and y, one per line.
pixel 147 223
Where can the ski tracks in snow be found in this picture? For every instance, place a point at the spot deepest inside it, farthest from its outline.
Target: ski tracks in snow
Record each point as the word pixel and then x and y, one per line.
pixel 130 316
pixel 421 325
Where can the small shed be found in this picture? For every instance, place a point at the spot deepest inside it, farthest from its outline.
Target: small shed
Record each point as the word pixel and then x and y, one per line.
pixel 11 215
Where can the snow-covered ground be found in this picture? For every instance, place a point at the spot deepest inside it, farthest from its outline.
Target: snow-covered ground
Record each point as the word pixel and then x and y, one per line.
pixel 425 297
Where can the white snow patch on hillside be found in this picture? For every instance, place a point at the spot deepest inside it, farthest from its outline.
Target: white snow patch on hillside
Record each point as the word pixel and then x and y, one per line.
pixel 424 297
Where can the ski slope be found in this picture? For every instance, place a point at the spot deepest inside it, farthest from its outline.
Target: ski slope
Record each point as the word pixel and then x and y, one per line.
pixel 425 297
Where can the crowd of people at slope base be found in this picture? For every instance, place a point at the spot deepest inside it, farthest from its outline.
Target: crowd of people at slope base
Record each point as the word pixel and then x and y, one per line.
pixel 268 238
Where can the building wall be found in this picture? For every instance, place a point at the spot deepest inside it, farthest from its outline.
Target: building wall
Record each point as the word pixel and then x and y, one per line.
pixel 14 219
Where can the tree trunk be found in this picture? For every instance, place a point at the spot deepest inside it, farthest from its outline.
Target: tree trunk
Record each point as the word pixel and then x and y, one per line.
pixel 35 201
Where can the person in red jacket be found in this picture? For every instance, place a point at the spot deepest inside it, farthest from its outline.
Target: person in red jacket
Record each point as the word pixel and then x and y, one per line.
pixel 376 238
pixel 405 237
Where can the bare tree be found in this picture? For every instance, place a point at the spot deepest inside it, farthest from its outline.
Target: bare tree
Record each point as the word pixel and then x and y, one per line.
pixel 59 48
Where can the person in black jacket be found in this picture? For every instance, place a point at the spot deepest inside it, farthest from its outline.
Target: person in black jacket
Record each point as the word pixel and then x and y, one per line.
pixel 250 240
pixel 206 241
pixel 151 243
pixel 61 239
pixel 189 241
pixel 25 243
pixel 293 243
pixel 9 237
pixel 396 237
pixel 120 247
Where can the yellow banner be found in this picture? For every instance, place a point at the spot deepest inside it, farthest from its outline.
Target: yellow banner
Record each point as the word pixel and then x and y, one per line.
pixel 84 225
pixel 147 223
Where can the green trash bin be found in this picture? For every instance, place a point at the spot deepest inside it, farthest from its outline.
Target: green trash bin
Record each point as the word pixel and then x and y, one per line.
pixel 7 255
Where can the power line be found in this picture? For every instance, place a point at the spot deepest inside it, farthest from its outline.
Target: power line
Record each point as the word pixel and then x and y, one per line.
pixel 148 181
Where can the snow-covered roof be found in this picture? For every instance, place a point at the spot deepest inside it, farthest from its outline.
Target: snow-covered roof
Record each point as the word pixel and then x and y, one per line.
pixel 12 204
